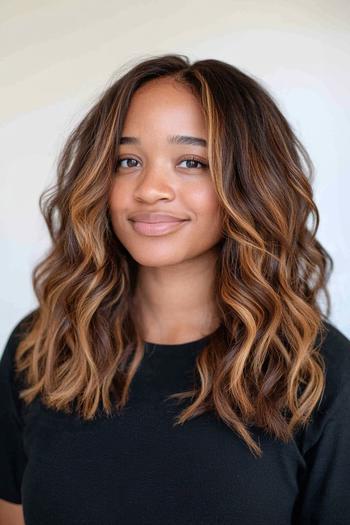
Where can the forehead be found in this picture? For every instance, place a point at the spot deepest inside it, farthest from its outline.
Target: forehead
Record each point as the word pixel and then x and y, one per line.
pixel 165 106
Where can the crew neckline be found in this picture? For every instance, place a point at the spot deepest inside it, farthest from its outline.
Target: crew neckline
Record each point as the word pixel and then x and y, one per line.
pixel 194 344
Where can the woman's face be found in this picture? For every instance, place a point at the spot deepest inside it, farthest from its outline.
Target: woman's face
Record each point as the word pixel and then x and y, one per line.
pixel 157 176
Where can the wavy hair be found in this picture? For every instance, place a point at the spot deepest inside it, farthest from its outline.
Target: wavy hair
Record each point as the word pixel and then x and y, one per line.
pixel 263 366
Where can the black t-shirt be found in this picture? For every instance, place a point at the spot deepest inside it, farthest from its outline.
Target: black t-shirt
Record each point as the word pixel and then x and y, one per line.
pixel 137 468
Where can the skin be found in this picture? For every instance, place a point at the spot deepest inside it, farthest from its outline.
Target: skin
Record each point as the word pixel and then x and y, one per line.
pixel 174 299
pixel 11 513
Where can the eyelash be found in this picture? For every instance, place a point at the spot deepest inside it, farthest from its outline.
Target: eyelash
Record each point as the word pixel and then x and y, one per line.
pixel 204 166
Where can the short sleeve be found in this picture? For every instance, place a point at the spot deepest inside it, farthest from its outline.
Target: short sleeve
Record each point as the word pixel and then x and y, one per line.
pixel 325 494
pixel 12 455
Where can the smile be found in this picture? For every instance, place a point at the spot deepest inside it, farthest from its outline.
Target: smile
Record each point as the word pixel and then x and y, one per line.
pixel 156 228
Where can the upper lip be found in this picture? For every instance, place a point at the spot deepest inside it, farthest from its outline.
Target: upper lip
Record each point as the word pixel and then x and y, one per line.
pixel 154 217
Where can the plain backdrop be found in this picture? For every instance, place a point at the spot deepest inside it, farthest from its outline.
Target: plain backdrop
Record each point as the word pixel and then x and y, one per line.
pixel 57 56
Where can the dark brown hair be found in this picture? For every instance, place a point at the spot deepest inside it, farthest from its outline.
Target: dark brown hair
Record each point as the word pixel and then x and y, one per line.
pixel 263 366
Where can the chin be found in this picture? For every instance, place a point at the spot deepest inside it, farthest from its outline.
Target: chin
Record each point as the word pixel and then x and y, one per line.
pixel 157 259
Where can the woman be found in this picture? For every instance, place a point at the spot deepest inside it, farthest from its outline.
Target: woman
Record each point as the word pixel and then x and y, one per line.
pixel 178 368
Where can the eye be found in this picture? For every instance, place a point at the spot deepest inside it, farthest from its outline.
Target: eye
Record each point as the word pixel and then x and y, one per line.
pixel 195 161
pixel 192 160
pixel 119 161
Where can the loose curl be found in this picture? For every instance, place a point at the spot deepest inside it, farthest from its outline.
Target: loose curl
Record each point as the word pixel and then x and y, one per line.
pixel 263 366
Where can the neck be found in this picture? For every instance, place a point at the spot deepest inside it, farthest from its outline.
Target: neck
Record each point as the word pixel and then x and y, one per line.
pixel 175 304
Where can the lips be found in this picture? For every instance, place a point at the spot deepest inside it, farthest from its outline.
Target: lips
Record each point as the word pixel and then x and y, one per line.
pixel 156 224
pixel 155 218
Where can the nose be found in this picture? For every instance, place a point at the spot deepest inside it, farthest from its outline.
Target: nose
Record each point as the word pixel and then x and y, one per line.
pixel 155 182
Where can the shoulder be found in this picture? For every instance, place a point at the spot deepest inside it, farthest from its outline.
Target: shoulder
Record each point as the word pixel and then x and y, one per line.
pixel 13 457
pixel 333 408
pixel 20 329
pixel 335 341
pixel 8 354
pixel 335 349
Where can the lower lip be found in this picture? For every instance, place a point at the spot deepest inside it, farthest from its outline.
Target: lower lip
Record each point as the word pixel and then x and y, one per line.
pixel 156 228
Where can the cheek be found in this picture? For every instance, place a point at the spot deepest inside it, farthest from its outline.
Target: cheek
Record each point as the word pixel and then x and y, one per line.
pixel 118 199
pixel 116 206
pixel 206 206
pixel 115 195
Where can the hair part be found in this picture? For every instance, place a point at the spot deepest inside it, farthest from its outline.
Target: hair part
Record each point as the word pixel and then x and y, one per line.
pixel 263 367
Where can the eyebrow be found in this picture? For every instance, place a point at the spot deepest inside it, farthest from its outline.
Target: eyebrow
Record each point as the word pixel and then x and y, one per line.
pixel 172 139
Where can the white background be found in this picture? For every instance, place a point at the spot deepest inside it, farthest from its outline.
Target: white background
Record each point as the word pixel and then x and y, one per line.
pixel 56 57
